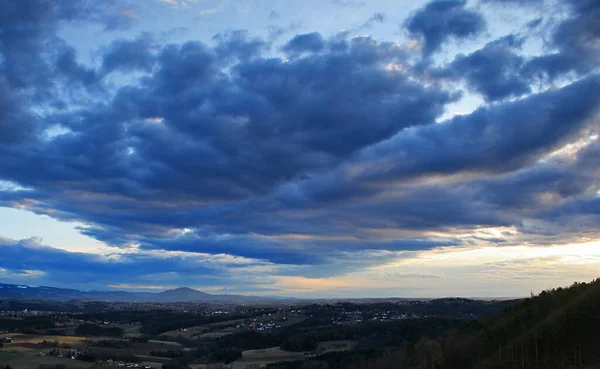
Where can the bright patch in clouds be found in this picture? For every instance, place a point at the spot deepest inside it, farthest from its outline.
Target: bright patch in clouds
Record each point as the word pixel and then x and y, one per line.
pixel 32 273
pixel 56 130
pixel 18 224
pixel 155 120
pixel 9 186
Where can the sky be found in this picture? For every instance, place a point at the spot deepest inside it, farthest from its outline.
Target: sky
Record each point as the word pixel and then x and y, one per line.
pixel 331 148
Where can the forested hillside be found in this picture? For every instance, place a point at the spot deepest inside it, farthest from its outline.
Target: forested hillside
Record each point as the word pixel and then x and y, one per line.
pixel 559 328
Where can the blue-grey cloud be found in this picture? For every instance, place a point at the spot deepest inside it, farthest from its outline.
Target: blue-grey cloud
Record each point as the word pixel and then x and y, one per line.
pixel 130 55
pixel 348 3
pixel 379 17
pixel 576 39
pixel 494 71
pixel 333 151
pixel 310 42
pixel 60 265
pixel 238 44
pixel 443 19
pixel 275 32
pixel 493 139
pixel 238 124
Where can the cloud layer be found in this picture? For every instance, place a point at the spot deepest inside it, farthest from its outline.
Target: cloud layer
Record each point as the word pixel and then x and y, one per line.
pixel 313 158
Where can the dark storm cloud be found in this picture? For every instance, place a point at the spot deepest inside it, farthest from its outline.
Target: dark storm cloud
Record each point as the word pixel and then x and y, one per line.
pixel 34 60
pixel 578 208
pixel 130 55
pixel 562 194
pixel 576 39
pixel 60 266
pixel 67 66
pixel 309 42
pixel 580 32
pixel 559 194
pixel 578 191
pixel 16 124
pixel 238 44
pixel 443 19
pixel 493 139
pixel 27 23
pixel 556 180
pixel 493 71
pixel 334 150
pixel 237 134
pixel 247 246
pixel 499 137
pixel 24 28
pixel 414 207
pixel 233 134
pixel 285 251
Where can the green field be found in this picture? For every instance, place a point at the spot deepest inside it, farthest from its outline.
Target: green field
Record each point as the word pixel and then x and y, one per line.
pixel 132 330
pixel 214 334
pixel 331 346
pixel 24 353
pixel 265 356
pixel 31 360
pixel 189 332
pixel 196 331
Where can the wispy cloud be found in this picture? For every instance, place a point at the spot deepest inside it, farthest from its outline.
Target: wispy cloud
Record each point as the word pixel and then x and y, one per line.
pixel 210 11
pixel 348 3
pixel 175 3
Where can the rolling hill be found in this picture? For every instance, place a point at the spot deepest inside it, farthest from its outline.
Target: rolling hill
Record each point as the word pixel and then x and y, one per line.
pixel 183 294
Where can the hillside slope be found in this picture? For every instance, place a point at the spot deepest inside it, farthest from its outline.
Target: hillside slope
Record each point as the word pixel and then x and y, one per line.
pixel 557 329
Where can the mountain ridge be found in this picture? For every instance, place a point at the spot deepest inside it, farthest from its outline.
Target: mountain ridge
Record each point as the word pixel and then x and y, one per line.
pixel 180 294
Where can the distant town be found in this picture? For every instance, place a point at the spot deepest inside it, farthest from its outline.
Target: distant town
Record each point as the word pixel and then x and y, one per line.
pixel 87 334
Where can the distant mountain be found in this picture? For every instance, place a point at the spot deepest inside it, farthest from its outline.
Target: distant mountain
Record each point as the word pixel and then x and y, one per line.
pixel 182 294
